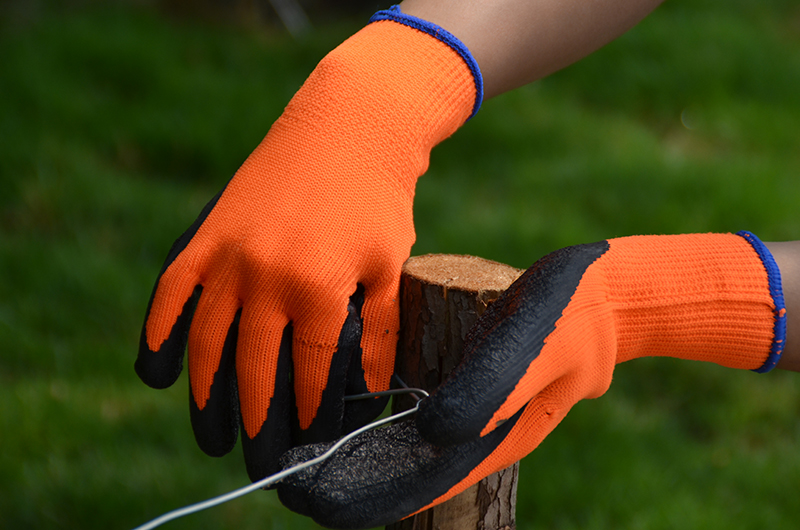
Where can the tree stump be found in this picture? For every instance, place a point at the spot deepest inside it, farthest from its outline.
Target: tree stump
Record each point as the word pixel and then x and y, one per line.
pixel 441 297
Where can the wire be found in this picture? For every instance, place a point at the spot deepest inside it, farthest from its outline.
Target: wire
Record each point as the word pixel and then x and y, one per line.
pixel 277 477
pixel 404 386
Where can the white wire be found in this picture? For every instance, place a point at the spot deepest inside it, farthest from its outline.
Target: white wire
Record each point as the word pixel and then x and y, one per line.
pixel 277 477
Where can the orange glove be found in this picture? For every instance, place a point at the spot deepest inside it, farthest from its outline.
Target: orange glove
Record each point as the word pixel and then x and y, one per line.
pixel 260 283
pixel 551 340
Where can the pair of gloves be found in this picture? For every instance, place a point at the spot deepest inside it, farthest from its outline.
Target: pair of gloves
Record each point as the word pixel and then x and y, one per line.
pixel 286 291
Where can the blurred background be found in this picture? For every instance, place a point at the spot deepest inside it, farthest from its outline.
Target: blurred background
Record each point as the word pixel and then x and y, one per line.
pixel 120 119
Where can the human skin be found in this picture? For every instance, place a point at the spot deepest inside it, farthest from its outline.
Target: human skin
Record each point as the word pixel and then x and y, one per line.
pixel 787 256
pixel 516 42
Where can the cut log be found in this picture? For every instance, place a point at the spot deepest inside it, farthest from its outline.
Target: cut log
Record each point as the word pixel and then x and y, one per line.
pixel 441 297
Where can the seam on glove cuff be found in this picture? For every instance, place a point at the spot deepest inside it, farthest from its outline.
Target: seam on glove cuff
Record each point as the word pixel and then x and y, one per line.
pixel 395 14
pixel 776 290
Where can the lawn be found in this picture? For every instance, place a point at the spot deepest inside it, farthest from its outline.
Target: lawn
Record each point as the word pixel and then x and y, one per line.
pixel 117 124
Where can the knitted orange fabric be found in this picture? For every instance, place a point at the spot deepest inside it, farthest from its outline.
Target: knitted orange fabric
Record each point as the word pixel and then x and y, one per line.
pixel 702 297
pixel 324 203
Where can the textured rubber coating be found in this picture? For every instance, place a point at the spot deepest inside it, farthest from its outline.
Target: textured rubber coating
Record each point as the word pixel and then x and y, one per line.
pixel 380 476
pixel 502 344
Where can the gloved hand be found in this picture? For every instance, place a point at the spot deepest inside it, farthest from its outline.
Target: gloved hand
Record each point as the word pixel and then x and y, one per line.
pixel 551 340
pixel 268 283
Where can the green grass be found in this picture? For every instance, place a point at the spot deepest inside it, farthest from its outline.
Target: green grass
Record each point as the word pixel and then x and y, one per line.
pixel 116 125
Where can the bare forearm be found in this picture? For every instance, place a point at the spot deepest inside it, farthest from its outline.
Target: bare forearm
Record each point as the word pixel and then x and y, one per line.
pixel 787 256
pixel 516 42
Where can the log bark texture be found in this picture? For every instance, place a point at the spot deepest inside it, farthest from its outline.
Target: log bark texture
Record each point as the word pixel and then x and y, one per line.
pixel 441 297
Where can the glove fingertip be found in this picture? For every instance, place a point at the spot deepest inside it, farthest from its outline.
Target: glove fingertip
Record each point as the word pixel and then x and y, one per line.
pixel 161 368
pixel 262 451
pixel 216 425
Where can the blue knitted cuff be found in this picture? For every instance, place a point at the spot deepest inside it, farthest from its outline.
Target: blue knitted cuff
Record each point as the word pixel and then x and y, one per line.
pixel 443 35
pixel 776 290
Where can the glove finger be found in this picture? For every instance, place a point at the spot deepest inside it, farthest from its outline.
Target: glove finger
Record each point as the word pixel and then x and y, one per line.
pixel 320 365
pixel 359 412
pixel 367 359
pixel 169 314
pixel 159 366
pixel 264 375
pixel 381 315
pixel 216 424
pixel 345 377
pixel 211 325
pixel 387 474
pixel 502 368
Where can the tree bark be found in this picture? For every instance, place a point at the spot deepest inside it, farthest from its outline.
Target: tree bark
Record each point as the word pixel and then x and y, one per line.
pixel 441 297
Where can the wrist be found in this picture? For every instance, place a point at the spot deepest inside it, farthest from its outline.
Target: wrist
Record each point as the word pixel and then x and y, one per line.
pixel 705 297
pixel 787 258
pixel 395 14
pixel 388 94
